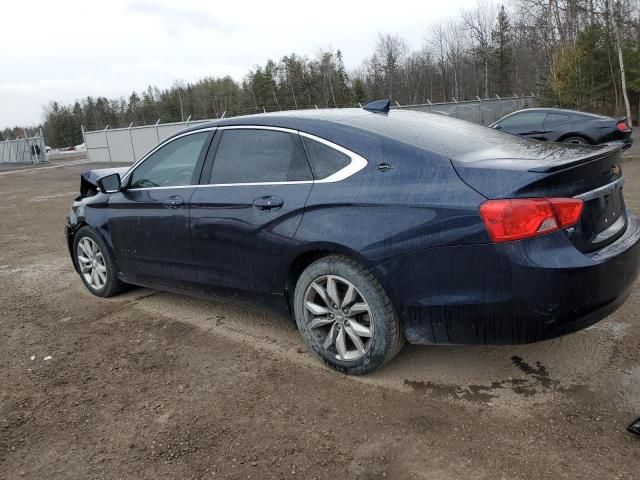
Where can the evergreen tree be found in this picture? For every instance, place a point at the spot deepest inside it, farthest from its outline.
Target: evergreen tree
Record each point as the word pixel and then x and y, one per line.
pixel 502 54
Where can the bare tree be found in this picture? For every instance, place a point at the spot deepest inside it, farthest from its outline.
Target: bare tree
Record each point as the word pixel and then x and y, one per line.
pixel 438 43
pixel 616 34
pixel 479 21
pixel 391 50
pixel 456 45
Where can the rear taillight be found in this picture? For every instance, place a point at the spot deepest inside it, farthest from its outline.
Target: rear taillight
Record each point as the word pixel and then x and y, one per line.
pixel 519 218
pixel 623 127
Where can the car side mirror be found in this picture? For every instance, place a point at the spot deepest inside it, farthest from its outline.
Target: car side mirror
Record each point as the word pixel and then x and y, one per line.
pixel 497 127
pixel 109 183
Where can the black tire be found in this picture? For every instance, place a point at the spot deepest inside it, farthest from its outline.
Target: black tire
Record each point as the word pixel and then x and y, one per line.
pixel 112 286
pixel 387 337
pixel 576 140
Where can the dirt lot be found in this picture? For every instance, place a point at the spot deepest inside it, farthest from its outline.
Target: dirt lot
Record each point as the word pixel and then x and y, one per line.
pixel 154 385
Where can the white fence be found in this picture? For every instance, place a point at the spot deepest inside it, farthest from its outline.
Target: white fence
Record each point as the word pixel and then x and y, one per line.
pixel 130 144
pixel 23 150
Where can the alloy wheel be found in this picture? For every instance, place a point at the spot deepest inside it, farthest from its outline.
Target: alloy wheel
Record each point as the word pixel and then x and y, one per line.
pixel 92 264
pixel 338 317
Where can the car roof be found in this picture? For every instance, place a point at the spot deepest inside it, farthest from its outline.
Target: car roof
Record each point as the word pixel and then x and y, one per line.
pixel 350 126
pixel 288 118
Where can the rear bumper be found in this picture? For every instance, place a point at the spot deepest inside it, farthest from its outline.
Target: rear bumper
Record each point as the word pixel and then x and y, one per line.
pixel 517 292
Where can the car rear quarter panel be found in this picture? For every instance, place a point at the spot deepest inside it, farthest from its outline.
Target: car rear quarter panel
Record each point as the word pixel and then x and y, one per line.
pixel 515 292
pixel 595 130
pixel 378 215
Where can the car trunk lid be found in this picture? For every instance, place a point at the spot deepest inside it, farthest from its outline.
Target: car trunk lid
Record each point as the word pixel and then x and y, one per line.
pixel 536 169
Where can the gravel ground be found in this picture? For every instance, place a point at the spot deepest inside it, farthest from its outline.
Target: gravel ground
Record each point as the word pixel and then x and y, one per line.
pixel 154 385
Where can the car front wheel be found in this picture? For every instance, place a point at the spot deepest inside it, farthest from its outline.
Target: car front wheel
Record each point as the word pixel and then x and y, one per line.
pixel 345 316
pixel 95 265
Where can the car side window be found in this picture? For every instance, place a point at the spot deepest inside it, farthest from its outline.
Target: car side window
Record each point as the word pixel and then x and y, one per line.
pixel 532 120
pixel 259 156
pixel 325 160
pixel 172 165
pixel 555 119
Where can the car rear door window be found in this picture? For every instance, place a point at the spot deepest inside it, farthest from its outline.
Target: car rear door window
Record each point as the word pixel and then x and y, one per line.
pixel 325 160
pixel 172 165
pixel 259 156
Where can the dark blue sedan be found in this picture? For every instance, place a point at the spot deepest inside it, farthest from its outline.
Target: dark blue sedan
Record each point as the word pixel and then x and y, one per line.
pixel 369 227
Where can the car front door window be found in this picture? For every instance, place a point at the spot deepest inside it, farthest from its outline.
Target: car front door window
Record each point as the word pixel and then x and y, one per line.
pixel 172 165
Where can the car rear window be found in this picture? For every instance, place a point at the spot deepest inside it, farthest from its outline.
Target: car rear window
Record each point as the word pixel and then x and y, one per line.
pixel 325 161
pixel 436 133
pixel 257 156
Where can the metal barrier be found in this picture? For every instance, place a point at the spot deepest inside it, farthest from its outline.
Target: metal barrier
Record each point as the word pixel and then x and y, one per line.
pixel 130 144
pixel 23 150
pixel 127 145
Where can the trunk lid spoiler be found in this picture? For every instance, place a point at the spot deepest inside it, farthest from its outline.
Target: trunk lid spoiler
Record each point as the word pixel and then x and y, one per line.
pixel 574 162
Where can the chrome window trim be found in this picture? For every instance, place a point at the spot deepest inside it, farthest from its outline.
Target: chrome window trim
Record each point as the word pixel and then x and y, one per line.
pixel 300 182
pixel 599 192
pixel 356 164
pixel 258 127
pixel 157 147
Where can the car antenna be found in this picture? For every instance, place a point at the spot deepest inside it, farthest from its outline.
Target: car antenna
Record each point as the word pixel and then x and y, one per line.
pixel 378 106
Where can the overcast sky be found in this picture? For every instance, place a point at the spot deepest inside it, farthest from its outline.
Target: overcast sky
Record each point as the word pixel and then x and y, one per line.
pixel 67 49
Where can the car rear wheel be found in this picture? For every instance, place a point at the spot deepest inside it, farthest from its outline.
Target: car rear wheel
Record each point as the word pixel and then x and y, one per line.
pixel 95 265
pixel 345 316
pixel 577 140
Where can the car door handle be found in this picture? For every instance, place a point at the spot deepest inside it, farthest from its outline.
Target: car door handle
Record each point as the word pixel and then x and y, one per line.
pixel 268 203
pixel 174 201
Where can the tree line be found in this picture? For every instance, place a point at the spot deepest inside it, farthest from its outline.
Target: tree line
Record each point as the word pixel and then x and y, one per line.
pixel 581 54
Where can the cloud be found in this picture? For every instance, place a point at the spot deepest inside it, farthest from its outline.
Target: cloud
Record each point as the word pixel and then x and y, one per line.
pixel 75 48
pixel 176 17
